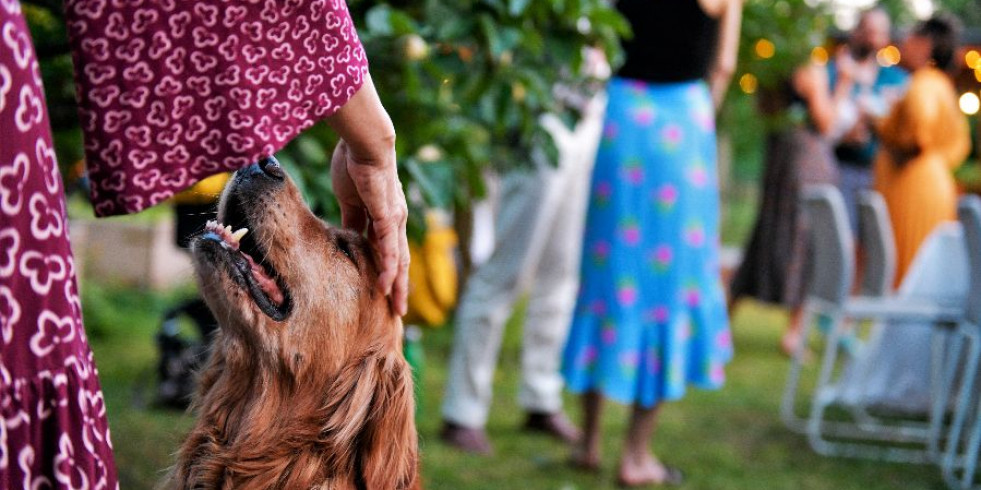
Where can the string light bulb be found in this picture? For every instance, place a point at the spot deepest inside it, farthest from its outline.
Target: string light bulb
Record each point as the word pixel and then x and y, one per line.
pixel 888 56
pixel 748 83
pixel 970 103
pixel 765 49
pixel 820 55
pixel 973 59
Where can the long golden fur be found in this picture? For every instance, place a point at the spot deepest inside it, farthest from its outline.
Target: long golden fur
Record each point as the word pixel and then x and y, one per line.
pixel 321 398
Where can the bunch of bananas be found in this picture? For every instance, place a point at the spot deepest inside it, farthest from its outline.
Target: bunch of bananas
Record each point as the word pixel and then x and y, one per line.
pixel 433 273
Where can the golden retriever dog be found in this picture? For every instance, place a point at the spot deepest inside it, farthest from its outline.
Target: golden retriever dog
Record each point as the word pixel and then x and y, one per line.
pixel 306 386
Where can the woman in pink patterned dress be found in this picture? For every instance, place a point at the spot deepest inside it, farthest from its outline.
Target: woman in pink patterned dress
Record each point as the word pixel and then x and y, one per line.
pixel 170 92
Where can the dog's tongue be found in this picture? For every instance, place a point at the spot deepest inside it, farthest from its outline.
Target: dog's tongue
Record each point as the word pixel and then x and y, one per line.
pixel 266 283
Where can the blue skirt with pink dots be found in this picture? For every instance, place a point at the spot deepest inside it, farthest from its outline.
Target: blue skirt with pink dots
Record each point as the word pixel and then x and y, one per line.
pixel 650 317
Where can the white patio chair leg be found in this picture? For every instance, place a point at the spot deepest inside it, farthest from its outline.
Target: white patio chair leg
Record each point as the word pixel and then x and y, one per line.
pixel 943 384
pixel 865 421
pixel 950 461
pixel 971 452
pixel 824 382
pixel 788 410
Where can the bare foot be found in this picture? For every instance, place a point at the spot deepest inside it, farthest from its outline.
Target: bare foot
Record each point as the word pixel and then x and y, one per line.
pixel 555 424
pixel 585 460
pixel 647 471
pixel 790 342
pixel 471 440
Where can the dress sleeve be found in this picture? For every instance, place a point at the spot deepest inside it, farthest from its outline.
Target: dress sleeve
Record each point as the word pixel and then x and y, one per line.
pixel 173 91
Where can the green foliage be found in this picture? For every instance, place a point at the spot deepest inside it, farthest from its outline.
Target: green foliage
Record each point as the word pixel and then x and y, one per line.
pixel 968 176
pixel 968 11
pixel 899 11
pixel 50 37
pixel 795 27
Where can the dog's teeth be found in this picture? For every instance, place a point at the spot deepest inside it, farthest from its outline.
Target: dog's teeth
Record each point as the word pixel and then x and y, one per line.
pixel 237 236
pixel 228 229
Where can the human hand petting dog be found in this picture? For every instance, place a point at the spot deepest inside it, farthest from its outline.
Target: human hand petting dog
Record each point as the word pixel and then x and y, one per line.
pixel 370 195
pixel 365 180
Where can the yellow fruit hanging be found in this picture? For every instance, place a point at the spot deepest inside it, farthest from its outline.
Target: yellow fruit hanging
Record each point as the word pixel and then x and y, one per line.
pixel 433 274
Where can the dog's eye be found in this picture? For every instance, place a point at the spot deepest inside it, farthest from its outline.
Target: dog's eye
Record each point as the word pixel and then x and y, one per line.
pixel 345 249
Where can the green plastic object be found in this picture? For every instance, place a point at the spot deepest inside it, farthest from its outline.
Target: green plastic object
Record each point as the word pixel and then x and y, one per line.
pixel 413 351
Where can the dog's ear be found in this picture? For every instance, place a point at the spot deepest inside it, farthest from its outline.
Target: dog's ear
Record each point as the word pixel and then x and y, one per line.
pixel 371 409
pixel 389 456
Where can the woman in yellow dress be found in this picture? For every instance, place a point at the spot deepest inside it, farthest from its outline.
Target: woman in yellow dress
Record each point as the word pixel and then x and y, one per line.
pixel 923 139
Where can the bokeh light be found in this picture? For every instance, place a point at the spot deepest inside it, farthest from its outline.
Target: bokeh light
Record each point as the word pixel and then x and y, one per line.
pixel 973 59
pixel 970 103
pixel 820 55
pixel 765 49
pixel 518 91
pixel 748 83
pixel 888 56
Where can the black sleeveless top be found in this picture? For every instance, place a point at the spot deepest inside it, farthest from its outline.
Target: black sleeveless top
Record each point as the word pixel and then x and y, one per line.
pixel 674 40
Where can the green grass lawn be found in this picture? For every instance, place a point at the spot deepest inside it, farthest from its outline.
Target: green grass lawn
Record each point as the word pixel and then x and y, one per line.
pixel 728 439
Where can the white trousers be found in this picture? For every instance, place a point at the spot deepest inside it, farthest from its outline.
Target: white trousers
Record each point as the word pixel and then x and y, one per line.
pixel 538 239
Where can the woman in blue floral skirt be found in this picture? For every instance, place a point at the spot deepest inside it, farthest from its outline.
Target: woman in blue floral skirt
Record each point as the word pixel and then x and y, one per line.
pixel 650 317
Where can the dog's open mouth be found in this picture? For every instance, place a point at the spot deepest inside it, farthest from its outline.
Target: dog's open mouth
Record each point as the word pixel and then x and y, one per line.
pixel 250 269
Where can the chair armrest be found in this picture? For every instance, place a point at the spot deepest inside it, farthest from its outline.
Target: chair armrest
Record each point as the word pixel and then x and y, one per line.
pixel 894 308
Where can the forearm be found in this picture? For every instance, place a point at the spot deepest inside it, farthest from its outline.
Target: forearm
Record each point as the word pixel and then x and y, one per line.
pixel 822 114
pixel 718 85
pixel 844 117
pixel 842 90
pixel 725 63
pixel 366 182
pixel 365 126
pixel 811 82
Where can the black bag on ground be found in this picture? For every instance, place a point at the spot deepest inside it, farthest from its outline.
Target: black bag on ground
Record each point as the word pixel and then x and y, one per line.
pixel 180 355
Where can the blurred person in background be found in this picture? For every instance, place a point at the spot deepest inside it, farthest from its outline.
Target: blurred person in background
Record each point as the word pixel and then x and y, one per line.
pixel 650 318
pixel 537 239
pixel 924 138
pixel 798 153
pixel 868 91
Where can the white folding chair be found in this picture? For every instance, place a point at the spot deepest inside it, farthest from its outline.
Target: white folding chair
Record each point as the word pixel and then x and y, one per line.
pixel 878 274
pixel 828 299
pixel 964 434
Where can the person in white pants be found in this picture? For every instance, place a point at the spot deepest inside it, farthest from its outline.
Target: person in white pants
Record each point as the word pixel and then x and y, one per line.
pixel 538 235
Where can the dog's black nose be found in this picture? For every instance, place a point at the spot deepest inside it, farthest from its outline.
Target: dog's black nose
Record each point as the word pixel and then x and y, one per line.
pixel 271 167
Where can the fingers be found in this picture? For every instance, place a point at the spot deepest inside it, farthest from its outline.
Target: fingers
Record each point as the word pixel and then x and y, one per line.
pixel 400 287
pixel 352 208
pixel 371 194
pixel 389 240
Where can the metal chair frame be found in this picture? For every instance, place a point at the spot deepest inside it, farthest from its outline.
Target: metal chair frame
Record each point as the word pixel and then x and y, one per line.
pixel 831 279
pixel 964 436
